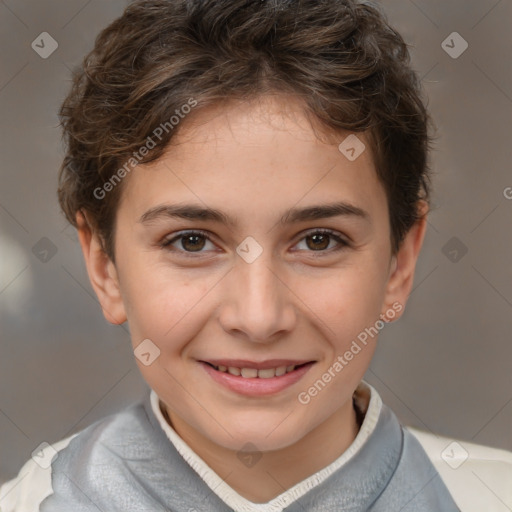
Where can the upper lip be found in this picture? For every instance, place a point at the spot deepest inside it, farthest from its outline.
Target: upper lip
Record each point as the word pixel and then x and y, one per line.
pixel 259 365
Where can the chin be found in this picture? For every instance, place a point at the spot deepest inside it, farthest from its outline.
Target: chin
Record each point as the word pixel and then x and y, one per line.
pixel 264 438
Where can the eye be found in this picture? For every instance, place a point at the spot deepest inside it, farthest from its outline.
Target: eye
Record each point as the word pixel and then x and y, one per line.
pixel 320 240
pixel 188 242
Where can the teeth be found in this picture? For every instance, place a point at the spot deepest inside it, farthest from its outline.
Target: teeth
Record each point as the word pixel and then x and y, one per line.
pixel 251 373
pixel 266 374
pixel 280 370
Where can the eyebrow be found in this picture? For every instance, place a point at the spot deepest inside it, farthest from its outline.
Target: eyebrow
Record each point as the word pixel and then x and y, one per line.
pixel 292 216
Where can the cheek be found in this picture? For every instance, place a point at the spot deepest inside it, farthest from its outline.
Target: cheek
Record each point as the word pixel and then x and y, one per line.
pixel 165 306
pixel 345 301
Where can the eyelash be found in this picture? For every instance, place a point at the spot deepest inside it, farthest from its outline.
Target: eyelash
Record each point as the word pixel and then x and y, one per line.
pixel 333 234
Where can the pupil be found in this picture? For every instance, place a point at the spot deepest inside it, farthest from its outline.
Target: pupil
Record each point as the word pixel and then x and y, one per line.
pixel 195 245
pixel 319 237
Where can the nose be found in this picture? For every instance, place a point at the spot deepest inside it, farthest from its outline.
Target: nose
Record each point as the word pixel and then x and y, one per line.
pixel 257 304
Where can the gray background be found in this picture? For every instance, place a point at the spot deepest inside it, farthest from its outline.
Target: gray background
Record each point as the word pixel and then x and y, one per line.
pixel 445 367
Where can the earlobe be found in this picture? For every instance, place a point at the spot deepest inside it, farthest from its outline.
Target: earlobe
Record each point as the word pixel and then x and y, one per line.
pixel 102 272
pixel 401 276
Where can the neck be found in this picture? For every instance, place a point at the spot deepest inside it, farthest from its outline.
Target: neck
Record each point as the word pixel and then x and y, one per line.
pixel 278 470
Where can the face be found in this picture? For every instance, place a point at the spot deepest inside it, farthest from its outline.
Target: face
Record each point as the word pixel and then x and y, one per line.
pixel 255 271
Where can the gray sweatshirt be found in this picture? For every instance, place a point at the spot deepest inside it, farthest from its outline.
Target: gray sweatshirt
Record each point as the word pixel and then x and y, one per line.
pixel 128 463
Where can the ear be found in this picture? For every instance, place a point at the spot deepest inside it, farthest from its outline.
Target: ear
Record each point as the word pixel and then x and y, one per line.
pixel 403 264
pixel 102 272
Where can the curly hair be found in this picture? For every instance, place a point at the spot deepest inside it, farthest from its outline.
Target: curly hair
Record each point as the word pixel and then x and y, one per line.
pixel 341 57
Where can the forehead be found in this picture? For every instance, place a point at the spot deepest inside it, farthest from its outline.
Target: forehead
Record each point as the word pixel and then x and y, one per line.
pixel 255 157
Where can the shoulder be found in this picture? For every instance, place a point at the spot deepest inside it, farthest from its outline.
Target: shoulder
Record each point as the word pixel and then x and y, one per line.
pixel 32 485
pixel 478 477
pixel 110 438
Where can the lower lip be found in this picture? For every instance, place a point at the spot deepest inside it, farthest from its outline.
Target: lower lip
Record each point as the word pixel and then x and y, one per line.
pixel 257 386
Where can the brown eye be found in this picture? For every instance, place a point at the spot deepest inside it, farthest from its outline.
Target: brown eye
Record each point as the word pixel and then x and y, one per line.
pixel 192 242
pixel 321 240
pixel 318 241
pixel 188 243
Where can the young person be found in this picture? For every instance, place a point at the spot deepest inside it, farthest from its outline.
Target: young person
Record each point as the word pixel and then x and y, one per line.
pixel 249 180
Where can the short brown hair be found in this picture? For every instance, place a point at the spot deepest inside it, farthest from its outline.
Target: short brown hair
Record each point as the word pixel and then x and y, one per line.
pixel 350 67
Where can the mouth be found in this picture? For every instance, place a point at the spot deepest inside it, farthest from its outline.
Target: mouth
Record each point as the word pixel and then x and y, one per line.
pixel 250 371
pixel 256 378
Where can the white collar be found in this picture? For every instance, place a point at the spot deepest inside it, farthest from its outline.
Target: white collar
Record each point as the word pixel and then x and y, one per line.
pixel 367 400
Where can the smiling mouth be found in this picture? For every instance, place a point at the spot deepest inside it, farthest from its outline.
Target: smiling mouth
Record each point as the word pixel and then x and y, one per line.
pixel 262 373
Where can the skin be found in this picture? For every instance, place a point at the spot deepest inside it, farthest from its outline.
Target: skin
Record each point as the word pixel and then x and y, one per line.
pixel 254 161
